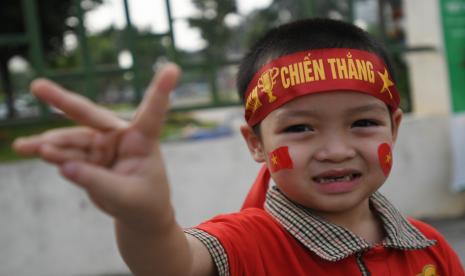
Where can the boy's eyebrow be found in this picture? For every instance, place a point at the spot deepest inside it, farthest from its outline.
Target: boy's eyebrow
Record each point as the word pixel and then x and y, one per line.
pixel 367 107
pixel 311 113
pixel 284 115
pixel 295 113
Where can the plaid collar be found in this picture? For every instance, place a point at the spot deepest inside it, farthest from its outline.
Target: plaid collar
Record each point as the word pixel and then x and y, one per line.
pixel 334 243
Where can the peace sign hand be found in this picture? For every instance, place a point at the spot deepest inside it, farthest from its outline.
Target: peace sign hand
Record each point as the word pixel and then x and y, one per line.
pixel 118 163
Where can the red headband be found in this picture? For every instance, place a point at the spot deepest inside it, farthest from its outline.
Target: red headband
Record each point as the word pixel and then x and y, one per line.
pixel 316 71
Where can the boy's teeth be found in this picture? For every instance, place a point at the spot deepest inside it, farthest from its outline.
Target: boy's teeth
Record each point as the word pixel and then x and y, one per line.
pixel 324 180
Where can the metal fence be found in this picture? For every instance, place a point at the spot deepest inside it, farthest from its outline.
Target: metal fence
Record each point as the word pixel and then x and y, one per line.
pixel 90 73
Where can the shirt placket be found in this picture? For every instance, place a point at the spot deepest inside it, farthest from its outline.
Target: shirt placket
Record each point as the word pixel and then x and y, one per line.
pixel 361 264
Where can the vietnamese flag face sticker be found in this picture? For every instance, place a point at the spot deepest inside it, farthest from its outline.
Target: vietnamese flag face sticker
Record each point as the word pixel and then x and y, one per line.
pixel 280 159
pixel 385 158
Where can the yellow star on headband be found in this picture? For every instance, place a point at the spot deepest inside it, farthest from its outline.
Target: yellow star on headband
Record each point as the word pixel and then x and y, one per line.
pixel 386 82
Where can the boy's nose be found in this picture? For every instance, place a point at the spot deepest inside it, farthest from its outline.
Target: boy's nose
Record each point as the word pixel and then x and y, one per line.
pixel 334 149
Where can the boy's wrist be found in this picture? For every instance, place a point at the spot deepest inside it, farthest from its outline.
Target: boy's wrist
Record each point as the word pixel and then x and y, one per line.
pixel 149 225
pixel 159 248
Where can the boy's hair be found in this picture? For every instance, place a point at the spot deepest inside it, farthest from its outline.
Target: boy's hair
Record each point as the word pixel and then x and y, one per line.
pixel 308 34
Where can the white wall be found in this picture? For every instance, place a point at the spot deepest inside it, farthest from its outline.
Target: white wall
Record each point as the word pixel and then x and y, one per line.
pixel 427 69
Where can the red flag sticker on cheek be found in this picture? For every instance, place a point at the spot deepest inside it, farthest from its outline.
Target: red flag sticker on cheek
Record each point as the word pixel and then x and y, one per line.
pixel 280 159
pixel 385 158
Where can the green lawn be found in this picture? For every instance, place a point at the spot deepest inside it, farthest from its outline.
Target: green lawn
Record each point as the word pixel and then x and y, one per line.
pixel 9 133
pixel 173 130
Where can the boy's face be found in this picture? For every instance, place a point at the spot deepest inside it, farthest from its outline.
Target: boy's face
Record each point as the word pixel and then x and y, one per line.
pixel 333 141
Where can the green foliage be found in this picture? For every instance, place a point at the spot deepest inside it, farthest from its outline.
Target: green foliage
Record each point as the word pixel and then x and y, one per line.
pixel 106 46
pixel 257 23
pixel 52 19
pixel 10 133
pixel 211 23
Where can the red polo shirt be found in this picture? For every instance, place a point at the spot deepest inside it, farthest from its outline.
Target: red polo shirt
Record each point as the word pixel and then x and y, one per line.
pixel 285 239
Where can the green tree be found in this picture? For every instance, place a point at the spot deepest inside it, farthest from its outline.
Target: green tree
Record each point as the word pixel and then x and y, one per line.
pixel 107 45
pixel 211 23
pixel 52 19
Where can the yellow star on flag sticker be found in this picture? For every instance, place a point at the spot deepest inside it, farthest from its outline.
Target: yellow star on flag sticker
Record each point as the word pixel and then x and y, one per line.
pixel 388 158
pixel 386 82
pixel 274 159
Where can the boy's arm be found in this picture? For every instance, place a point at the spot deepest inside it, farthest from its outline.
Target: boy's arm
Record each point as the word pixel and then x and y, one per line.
pixel 120 166
pixel 188 252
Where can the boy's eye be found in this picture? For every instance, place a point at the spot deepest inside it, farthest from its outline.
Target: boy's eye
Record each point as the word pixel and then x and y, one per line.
pixel 365 123
pixel 298 128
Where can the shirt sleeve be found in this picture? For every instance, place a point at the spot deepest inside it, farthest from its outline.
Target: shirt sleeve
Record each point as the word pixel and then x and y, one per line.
pixel 450 260
pixel 214 247
pixel 234 240
pixel 453 261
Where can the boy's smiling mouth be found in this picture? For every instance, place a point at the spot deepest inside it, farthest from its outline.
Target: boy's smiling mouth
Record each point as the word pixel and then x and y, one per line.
pixel 329 179
pixel 337 181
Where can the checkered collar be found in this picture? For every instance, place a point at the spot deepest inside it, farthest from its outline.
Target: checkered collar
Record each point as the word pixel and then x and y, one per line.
pixel 332 242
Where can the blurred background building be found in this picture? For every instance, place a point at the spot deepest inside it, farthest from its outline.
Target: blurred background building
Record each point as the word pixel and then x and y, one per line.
pixel 109 49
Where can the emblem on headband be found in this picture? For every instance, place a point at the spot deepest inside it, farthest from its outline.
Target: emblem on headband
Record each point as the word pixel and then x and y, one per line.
pixel 253 103
pixel 267 81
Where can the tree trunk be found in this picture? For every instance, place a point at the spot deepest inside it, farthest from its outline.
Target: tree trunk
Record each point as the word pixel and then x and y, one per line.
pixel 7 87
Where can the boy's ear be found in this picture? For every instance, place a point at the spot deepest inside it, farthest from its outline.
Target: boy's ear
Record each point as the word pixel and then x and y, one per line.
pixel 254 143
pixel 396 119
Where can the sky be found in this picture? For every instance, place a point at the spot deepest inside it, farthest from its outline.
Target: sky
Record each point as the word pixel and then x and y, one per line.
pixel 151 14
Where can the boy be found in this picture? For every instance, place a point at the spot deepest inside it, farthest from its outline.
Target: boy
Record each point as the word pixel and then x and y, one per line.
pixel 322 114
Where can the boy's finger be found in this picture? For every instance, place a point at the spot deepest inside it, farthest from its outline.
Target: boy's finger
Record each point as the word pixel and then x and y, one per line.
pixel 59 156
pixel 27 145
pixel 151 113
pixel 106 188
pixel 79 137
pixel 104 147
pixel 75 106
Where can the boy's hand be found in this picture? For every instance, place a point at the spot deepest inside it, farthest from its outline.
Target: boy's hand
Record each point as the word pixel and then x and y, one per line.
pixel 118 163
